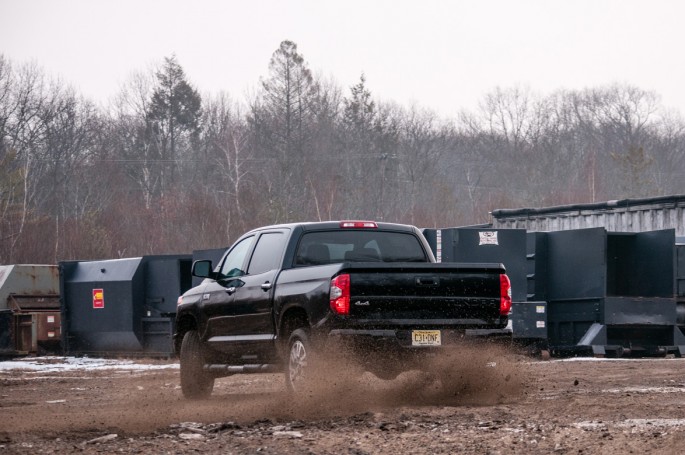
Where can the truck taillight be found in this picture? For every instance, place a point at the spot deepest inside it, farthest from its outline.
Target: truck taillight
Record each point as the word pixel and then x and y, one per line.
pixel 505 295
pixel 340 294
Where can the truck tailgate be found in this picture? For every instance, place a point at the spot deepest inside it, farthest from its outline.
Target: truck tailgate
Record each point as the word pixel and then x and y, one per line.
pixel 395 293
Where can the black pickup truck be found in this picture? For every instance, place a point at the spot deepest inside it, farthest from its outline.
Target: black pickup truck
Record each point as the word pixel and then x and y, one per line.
pixel 282 293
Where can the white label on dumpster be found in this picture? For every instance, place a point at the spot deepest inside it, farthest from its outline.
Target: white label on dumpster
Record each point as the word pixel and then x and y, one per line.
pixel 540 309
pixel 51 319
pixel 488 238
pixel 540 324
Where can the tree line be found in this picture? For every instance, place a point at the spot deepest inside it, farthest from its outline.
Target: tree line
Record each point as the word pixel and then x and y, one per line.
pixel 165 169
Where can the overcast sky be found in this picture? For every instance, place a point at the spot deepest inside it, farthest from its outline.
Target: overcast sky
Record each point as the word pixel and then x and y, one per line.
pixel 443 55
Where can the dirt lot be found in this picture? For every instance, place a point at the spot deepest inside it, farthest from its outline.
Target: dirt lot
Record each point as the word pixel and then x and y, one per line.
pixel 497 403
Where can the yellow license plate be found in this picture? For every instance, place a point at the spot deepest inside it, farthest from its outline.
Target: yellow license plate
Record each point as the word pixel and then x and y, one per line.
pixel 425 338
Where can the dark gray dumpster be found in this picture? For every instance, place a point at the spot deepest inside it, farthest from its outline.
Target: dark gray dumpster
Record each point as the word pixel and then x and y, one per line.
pixel 584 291
pixel 680 282
pixel 122 306
pixel 610 292
pixel 505 246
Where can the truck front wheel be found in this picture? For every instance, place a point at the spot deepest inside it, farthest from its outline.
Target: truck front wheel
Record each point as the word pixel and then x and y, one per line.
pixel 195 381
pixel 299 362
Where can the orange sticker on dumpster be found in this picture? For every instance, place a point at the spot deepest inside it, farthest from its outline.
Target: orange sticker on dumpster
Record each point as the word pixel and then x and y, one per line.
pixel 98 298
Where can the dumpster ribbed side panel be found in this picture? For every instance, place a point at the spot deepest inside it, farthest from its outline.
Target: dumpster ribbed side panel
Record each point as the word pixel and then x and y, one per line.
pixel 628 215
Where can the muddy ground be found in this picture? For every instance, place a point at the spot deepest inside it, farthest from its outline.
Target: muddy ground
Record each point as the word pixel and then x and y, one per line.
pixel 496 402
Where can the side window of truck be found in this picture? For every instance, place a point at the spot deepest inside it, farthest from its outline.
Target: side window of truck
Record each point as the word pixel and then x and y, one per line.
pixel 233 263
pixel 268 253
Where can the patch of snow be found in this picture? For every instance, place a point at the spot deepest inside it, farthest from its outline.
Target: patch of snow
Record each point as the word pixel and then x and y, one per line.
pixel 651 423
pixel 590 425
pixel 58 364
pixel 288 434
pixel 191 436
pixel 106 438
pixel 639 424
pixel 606 359
pixel 646 390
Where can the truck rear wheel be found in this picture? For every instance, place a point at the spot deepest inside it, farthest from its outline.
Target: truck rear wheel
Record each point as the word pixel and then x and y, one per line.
pixel 195 381
pixel 299 362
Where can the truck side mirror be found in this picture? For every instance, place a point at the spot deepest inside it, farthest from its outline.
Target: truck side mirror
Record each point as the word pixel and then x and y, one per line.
pixel 202 269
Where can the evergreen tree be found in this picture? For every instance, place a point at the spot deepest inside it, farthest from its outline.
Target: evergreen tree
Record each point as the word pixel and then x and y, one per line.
pixel 360 110
pixel 288 98
pixel 174 114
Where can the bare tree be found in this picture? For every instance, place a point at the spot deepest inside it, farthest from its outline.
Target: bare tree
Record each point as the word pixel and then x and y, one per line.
pixel 281 120
pixel 21 99
pixel 132 147
pixel 231 158
pixel 323 174
pixel 424 142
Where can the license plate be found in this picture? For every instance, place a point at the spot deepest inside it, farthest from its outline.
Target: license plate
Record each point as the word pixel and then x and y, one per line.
pixel 425 338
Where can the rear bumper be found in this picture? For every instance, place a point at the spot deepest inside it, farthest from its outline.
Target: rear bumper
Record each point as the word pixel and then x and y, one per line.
pixel 391 340
pixel 387 352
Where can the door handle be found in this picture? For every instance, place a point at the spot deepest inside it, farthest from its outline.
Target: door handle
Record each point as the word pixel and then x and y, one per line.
pixel 266 286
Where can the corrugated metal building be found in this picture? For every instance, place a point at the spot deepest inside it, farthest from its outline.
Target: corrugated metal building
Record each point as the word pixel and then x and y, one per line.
pixel 627 215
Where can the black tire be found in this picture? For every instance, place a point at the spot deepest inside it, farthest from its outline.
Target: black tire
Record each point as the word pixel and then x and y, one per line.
pixel 299 362
pixel 195 381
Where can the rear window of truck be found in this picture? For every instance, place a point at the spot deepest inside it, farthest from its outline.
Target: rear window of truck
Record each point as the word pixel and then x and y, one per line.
pixel 329 247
